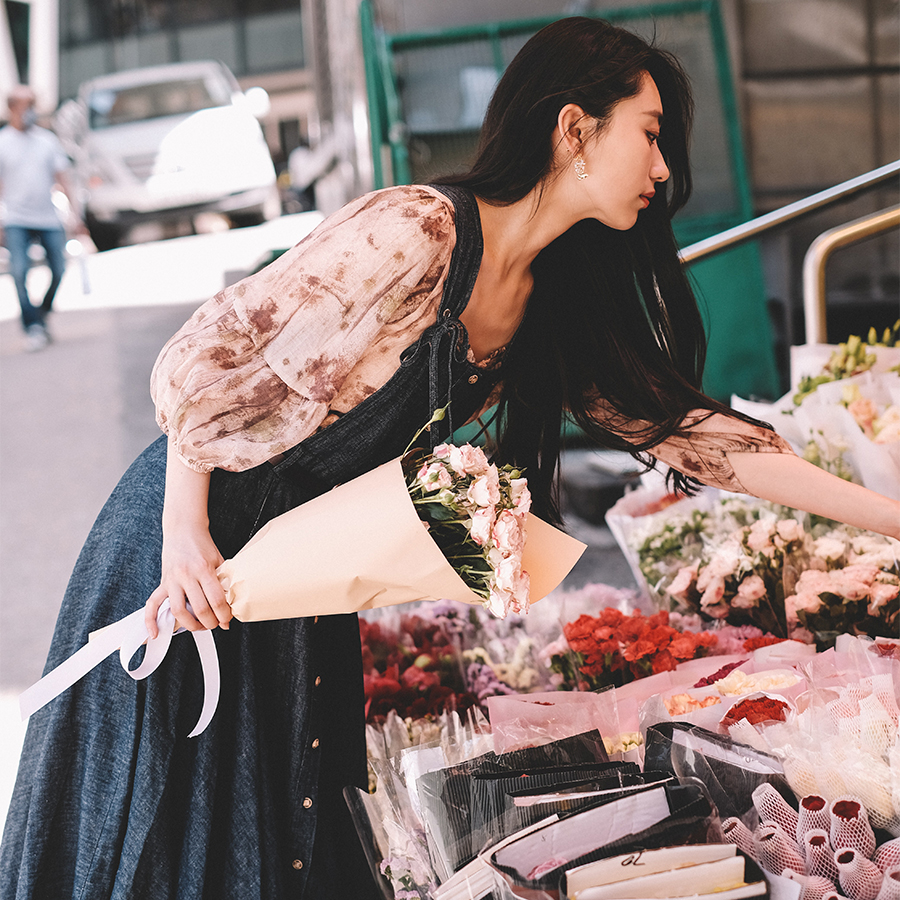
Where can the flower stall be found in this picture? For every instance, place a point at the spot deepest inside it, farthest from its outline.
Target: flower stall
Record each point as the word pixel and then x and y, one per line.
pixel 729 727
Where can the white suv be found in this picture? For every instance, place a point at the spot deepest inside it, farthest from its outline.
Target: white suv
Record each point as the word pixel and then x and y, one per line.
pixel 168 142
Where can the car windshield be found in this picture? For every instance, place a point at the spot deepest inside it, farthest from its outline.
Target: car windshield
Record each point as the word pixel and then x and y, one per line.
pixel 109 106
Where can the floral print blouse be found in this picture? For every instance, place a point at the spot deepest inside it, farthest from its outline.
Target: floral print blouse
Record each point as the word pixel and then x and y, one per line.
pixel 268 361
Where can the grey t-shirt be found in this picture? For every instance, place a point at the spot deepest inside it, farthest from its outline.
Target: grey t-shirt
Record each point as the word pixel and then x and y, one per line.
pixel 29 163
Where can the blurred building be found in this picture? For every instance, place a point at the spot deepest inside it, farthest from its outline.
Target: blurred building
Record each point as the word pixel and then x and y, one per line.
pixel 817 84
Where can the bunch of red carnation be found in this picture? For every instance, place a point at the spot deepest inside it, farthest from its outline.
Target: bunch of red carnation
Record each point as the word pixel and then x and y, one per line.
pixel 613 648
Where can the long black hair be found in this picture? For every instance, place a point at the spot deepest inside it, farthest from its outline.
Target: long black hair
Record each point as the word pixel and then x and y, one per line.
pixel 612 333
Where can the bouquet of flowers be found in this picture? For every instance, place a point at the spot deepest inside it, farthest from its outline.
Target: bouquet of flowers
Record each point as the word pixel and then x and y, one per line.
pixel 414 670
pixel 852 586
pixel 755 564
pixel 614 648
pixel 844 412
pixel 475 512
pixel 360 546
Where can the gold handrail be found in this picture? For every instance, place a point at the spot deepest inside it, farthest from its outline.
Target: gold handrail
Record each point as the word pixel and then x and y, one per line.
pixel 817 256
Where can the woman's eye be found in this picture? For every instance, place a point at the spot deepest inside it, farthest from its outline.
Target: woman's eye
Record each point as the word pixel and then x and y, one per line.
pixel 653 138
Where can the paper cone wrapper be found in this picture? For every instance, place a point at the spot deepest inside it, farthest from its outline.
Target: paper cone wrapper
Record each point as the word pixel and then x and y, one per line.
pixel 361 546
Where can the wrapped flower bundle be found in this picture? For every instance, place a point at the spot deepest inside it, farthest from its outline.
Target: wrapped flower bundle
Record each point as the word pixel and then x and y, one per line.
pixel 475 512
pixel 754 564
pixel 361 546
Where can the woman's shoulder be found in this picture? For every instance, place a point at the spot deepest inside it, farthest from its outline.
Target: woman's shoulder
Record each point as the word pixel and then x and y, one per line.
pixel 414 209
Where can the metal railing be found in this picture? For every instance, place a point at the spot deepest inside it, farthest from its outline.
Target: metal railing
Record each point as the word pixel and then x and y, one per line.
pixel 749 230
pixel 817 256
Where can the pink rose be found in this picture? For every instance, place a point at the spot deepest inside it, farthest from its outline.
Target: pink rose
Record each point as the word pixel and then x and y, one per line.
pixel 435 476
pixel 522 593
pixel 506 575
pixel 789 530
pixel 507 533
pixel 810 603
pixel 482 522
pixel 498 602
pixel 714 592
pixel 682 581
pixel 864 412
pixel 830 548
pixel 880 595
pixel 749 592
pixel 861 572
pixel 468 460
pixel 758 536
pixel 442 451
pixel 812 581
pixel 485 490
pixel 520 495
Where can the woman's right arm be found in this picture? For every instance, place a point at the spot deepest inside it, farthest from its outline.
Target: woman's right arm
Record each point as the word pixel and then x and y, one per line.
pixel 189 557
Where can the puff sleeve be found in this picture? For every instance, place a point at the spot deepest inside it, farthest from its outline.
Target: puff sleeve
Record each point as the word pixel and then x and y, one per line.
pixel 253 371
pixel 701 450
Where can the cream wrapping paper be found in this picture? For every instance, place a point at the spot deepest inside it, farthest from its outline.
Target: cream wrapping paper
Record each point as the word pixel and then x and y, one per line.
pixel 359 546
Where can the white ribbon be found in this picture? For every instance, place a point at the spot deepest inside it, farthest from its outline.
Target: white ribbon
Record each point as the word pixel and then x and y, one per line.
pixel 126 636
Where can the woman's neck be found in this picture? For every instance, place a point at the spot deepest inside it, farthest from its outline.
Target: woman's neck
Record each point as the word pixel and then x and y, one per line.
pixel 514 234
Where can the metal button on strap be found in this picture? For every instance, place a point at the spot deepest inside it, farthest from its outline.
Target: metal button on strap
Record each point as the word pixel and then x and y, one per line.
pixel 307 802
pixel 297 864
pixel 315 743
pixel 473 379
pixel 318 680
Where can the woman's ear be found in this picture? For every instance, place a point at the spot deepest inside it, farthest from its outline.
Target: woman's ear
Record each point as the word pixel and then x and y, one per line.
pixel 570 124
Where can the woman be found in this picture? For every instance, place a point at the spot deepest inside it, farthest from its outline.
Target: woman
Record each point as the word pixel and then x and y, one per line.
pixel 545 279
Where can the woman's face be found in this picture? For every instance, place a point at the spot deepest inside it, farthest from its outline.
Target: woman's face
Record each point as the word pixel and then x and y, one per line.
pixel 623 161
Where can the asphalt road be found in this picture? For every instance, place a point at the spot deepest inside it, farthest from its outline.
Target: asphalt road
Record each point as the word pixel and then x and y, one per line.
pixel 73 417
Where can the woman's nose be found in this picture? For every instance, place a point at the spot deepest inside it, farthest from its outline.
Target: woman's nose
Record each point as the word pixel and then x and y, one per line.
pixel 659 171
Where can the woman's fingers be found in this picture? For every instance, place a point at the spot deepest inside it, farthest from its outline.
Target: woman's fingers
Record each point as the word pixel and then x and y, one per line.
pixel 215 596
pixel 151 608
pixel 200 607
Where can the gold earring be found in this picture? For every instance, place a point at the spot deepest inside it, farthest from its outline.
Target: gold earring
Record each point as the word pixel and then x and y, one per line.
pixel 580 173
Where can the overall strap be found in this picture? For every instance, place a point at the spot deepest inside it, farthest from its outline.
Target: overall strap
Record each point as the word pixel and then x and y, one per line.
pixel 466 258
pixel 445 336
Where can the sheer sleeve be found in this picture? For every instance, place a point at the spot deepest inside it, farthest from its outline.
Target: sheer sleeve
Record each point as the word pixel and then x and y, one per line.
pixel 702 450
pixel 253 371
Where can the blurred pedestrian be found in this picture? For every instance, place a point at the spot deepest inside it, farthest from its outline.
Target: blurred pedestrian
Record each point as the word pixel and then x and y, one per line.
pixel 32 162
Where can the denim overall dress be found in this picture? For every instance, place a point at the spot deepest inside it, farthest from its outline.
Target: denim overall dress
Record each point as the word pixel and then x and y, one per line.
pixel 113 800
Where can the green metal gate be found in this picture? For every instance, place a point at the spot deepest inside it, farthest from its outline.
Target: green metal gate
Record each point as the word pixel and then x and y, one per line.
pixel 428 92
